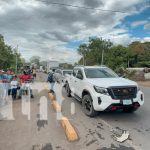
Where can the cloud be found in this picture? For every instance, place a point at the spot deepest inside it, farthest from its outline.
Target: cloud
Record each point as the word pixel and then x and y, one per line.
pixel 44 29
pixel 146 39
pixel 93 3
pixel 147 26
pixel 138 23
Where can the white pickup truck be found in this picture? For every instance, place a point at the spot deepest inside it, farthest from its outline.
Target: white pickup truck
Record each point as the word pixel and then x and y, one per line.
pixel 100 89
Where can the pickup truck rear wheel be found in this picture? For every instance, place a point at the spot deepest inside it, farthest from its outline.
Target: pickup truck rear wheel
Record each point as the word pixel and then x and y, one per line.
pixel 87 106
pixel 68 91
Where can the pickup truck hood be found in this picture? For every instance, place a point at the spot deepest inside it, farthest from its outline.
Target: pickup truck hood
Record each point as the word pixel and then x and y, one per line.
pixel 108 82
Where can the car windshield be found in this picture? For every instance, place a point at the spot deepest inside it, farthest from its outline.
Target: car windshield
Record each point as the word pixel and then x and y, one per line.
pixel 100 73
pixel 67 72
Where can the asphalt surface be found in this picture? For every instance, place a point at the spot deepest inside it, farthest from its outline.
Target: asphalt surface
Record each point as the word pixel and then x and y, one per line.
pixel 94 133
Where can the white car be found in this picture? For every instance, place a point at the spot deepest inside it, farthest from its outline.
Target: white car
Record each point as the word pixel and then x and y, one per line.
pixel 61 75
pixel 100 89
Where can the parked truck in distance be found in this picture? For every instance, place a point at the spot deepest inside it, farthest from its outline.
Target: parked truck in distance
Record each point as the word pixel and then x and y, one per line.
pixel 101 89
pixel 52 64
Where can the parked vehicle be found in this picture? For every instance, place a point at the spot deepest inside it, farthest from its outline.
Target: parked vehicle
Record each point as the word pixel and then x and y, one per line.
pixel 61 75
pixel 100 89
pixel 52 64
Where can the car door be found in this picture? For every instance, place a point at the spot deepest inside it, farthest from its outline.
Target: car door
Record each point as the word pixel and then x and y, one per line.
pixel 79 83
pixel 72 80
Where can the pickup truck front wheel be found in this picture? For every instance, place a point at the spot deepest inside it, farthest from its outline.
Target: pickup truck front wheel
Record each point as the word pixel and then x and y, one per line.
pixel 68 91
pixel 87 106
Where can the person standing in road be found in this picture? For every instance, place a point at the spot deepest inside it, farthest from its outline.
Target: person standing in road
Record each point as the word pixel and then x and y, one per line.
pixel 9 78
pixel 3 88
pixel 34 74
pixel 25 79
pixel 14 85
pixel 51 80
pixel 2 77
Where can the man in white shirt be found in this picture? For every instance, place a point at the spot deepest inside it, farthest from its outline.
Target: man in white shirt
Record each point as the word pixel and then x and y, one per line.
pixel 14 85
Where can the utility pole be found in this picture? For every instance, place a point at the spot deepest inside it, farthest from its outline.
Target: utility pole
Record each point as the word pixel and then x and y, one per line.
pixel 128 62
pixel 102 60
pixel 16 59
pixel 83 60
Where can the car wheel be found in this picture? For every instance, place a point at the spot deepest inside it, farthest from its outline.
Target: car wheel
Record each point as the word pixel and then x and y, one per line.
pixel 68 91
pixel 129 110
pixel 87 106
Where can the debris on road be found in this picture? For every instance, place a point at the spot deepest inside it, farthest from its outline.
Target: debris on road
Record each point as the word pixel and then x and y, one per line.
pixel 120 135
pixel 41 123
pixel 42 147
pixel 121 147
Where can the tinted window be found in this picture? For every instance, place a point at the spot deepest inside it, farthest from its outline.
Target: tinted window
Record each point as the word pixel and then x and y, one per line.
pixel 75 72
pixel 79 75
pixel 67 72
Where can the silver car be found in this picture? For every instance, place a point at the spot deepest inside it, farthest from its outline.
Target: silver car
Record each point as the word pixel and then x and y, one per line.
pixel 61 74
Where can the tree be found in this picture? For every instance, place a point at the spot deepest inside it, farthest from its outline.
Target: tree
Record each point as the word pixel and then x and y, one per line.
pixel 8 56
pixel 83 51
pixel 36 60
pixel 92 51
pixel 66 66
pixel 117 57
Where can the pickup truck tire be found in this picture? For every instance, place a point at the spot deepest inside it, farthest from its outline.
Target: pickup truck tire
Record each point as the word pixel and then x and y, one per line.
pixel 68 91
pixel 87 106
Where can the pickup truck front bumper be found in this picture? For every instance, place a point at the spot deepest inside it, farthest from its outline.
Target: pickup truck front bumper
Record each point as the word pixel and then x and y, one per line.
pixel 103 102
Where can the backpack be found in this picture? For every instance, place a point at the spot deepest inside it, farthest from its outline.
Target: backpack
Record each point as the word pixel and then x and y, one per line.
pixel 51 77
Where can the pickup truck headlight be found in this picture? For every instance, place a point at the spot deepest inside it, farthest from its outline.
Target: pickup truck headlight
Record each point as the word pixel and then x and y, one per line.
pixel 101 90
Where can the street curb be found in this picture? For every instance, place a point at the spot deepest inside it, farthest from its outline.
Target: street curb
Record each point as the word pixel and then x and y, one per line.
pixel 51 97
pixel 69 130
pixel 56 106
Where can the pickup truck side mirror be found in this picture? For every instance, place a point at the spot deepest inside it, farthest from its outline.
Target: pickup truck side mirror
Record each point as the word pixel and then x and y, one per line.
pixel 120 75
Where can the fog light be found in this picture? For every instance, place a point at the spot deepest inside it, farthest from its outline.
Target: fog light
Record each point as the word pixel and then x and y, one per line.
pixel 114 108
pixel 99 100
pixel 141 97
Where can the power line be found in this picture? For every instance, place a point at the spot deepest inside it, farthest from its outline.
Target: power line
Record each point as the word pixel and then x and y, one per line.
pixel 89 8
pixel 83 7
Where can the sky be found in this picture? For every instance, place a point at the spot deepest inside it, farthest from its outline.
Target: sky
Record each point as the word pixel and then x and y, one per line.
pixel 51 31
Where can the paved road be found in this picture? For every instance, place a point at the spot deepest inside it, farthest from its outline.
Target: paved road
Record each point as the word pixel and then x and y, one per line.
pixel 94 133
pixel 138 124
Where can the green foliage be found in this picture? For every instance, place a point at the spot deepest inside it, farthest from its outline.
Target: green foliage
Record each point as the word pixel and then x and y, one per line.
pixel 117 56
pixel 66 66
pixel 8 56
pixel 92 51
pixel 36 60
pixel 136 54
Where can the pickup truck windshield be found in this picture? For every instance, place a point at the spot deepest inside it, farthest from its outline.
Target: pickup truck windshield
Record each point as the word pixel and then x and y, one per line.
pixel 99 73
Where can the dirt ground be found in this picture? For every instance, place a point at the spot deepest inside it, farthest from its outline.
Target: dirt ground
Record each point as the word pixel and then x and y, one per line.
pixel 144 83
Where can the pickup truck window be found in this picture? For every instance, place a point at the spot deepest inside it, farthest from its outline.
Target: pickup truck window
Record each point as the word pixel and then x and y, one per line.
pixel 99 73
pixel 75 72
pixel 79 75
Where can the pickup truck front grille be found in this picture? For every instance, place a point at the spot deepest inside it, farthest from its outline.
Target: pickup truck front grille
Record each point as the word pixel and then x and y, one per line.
pixel 123 92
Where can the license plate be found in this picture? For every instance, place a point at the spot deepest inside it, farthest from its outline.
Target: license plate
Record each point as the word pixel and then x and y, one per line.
pixel 127 102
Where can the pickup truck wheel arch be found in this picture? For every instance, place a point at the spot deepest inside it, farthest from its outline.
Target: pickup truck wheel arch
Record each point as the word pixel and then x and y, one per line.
pixel 86 92
pixel 68 91
pixel 87 106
